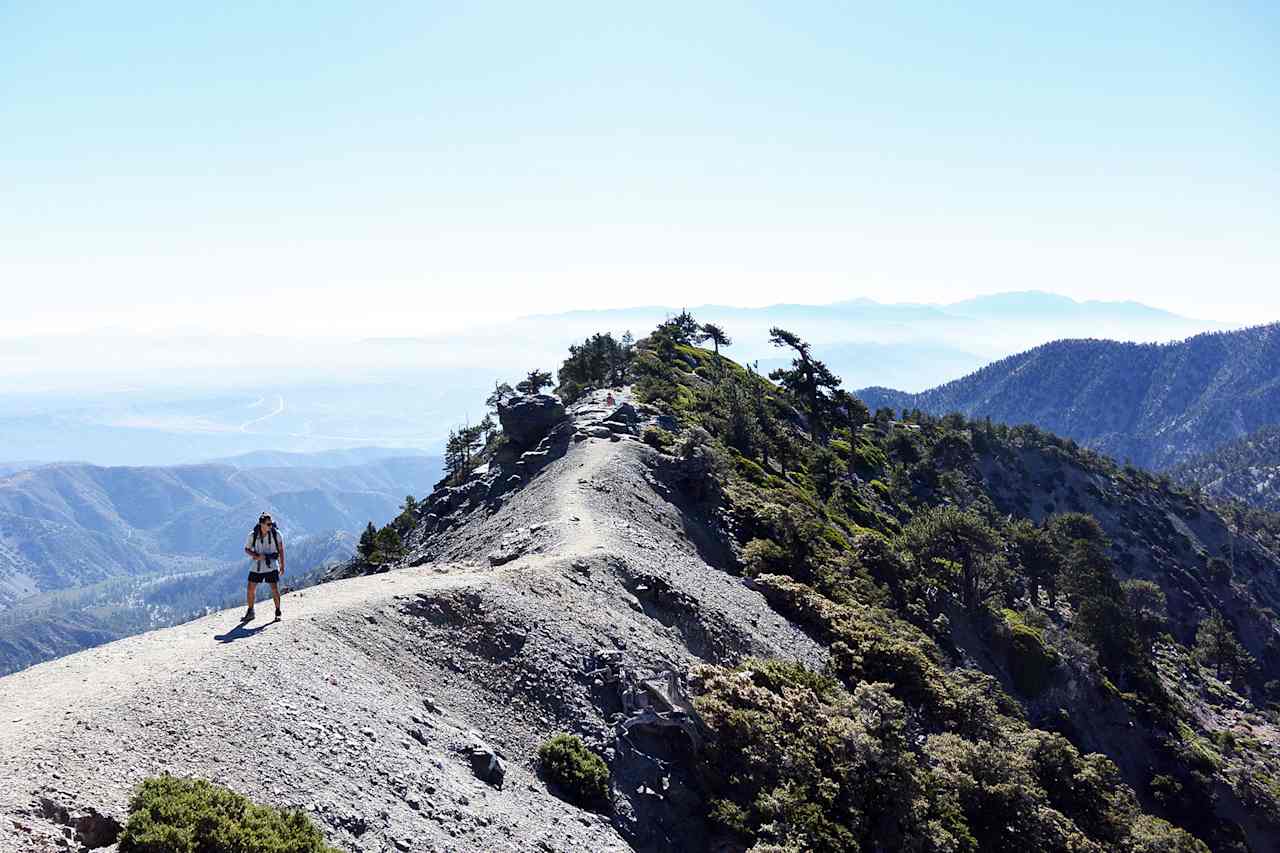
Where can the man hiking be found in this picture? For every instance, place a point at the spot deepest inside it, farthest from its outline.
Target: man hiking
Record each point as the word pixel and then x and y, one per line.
pixel 265 547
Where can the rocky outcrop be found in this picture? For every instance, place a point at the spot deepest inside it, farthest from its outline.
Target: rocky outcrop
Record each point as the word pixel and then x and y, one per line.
pixel 525 420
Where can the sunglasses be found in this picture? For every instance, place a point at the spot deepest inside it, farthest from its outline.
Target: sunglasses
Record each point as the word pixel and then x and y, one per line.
pixel 266 519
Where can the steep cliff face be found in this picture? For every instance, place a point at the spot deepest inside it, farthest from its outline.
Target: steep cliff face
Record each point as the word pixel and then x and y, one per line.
pixel 551 592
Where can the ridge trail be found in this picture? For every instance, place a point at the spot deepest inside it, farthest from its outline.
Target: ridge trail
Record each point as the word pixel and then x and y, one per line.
pixel 362 704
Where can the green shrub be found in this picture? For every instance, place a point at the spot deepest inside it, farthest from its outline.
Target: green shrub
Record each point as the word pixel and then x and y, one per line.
pixel 658 438
pixel 1030 661
pixel 764 556
pixel 750 470
pixel 579 772
pixel 172 815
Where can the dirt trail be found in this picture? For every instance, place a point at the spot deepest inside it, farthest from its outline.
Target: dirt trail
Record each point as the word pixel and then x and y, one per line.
pixel 97 678
pixel 362 706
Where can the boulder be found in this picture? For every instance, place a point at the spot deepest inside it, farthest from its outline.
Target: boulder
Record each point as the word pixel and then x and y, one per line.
pixel 626 413
pixel 525 420
pixel 486 763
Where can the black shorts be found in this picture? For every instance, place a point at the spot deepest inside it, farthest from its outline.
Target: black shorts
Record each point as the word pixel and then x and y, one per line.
pixel 272 576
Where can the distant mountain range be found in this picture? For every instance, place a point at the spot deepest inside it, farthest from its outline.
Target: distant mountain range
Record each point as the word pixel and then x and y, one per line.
pixel 323 459
pixel 1247 469
pixel 118 400
pixel 53 624
pixel 90 554
pixel 65 526
pixel 1154 404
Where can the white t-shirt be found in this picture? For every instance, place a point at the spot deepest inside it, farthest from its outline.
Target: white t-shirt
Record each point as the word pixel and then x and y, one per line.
pixel 264 545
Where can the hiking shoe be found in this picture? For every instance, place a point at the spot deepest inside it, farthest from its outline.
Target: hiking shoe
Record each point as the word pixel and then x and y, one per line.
pixel 277 615
pixel 248 615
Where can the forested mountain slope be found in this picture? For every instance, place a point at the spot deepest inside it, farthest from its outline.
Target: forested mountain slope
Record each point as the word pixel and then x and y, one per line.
pixel 1246 470
pixel 1154 404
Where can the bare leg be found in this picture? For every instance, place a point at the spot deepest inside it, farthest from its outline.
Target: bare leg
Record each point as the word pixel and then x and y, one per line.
pixel 251 594
pixel 275 595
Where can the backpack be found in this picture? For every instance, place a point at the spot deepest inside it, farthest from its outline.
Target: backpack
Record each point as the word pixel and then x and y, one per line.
pixel 275 537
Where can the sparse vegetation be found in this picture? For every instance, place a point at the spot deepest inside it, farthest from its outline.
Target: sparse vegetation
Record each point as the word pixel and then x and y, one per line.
pixel 579 773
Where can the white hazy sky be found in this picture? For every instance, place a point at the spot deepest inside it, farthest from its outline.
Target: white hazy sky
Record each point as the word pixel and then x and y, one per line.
pixel 399 168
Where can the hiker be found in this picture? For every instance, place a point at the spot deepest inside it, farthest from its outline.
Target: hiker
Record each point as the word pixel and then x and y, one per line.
pixel 609 401
pixel 265 547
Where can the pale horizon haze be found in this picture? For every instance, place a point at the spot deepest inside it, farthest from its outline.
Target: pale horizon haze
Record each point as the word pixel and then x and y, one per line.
pixel 409 168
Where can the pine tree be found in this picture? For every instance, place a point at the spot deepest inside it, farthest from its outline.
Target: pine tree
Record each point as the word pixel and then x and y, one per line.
pixel 960 549
pixel 534 381
pixel 1040 563
pixel 487 428
pixel 716 335
pixel 501 391
pixel 1217 646
pixel 454 455
pixel 685 328
pixel 598 362
pixel 389 544
pixel 368 541
pixel 808 379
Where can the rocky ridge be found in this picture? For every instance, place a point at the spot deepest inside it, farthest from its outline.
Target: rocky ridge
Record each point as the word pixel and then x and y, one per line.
pixel 564 587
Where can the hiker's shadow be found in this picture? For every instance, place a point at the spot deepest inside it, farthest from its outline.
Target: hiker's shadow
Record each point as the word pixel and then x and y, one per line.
pixel 240 632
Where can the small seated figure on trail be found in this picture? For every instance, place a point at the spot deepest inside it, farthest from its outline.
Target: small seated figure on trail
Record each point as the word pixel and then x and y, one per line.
pixel 265 547
pixel 609 401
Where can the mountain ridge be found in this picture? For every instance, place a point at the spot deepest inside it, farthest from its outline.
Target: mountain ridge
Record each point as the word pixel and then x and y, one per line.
pixel 777 618
pixel 1156 404
pixel 432 657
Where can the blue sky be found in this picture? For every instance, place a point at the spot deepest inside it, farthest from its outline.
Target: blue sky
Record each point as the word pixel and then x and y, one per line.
pixel 165 165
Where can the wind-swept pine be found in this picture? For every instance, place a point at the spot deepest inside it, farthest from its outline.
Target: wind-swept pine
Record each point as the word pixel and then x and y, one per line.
pixel 811 381
pixel 534 382
pixel 390 545
pixel 502 392
pixel 715 334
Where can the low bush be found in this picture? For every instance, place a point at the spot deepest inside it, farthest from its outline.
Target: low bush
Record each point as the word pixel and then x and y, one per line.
pixel 658 438
pixel 1030 661
pixel 580 774
pixel 173 815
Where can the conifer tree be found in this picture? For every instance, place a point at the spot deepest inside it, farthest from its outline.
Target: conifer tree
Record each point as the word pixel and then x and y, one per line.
pixel 716 335
pixel 534 382
pixel 686 329
pixel 501 391
pixel 368 541
pixel 808 379
pixel 1217 646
